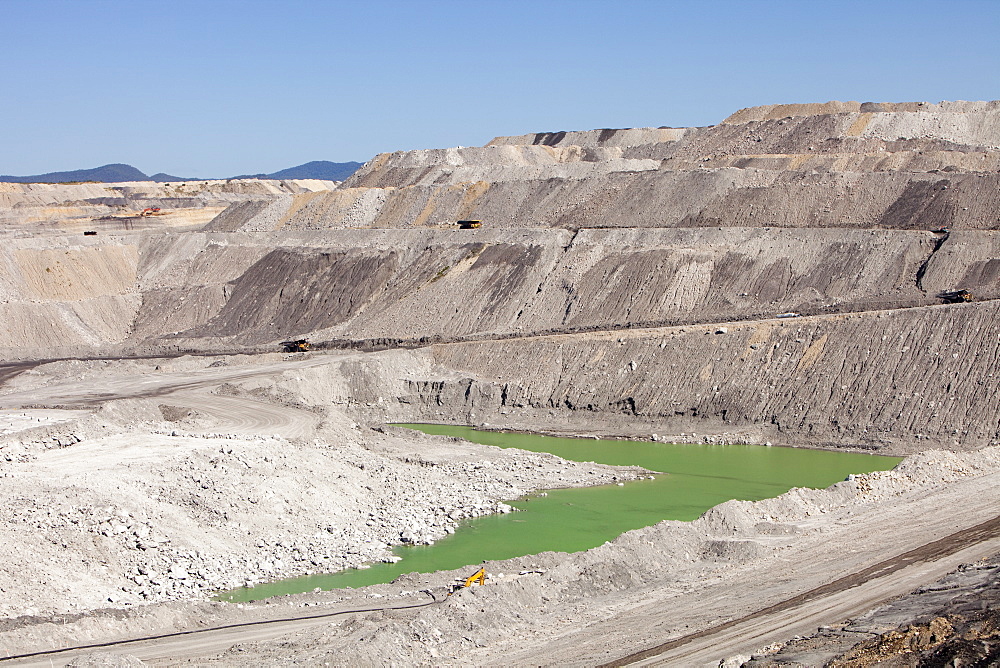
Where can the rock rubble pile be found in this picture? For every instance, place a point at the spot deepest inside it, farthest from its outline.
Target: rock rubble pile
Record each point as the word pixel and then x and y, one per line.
pixel 148 512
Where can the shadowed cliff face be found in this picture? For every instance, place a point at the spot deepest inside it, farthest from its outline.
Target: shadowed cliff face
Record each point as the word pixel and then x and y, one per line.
pixel 921 204
pixel 299 291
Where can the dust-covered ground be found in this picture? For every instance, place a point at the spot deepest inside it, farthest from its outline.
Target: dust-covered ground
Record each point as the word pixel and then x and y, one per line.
pixel 165 480
pixel 220 484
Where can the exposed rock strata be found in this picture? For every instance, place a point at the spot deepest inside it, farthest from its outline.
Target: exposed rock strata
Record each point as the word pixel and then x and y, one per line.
pixel 624 282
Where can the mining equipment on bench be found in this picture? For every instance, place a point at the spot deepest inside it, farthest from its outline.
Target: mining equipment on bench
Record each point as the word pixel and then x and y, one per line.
pixel 956 296
pixel 479 576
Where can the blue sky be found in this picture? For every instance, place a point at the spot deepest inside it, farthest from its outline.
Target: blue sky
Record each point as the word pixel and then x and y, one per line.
pixel 215 88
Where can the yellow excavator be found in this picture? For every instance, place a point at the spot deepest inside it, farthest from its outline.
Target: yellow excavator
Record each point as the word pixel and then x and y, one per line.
pixel 297 346
pixel 479 576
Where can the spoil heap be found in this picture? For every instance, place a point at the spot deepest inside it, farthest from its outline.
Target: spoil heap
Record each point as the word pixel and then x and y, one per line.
pixel 36 208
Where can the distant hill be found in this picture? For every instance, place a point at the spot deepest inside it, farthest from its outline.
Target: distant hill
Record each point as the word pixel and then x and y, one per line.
pixel 318 169
pixel 160 177
pixel 105 174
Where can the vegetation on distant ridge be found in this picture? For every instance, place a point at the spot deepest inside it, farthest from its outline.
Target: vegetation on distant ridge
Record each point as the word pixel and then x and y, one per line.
pixel 318 169
pixel 104 174
pixel 118 172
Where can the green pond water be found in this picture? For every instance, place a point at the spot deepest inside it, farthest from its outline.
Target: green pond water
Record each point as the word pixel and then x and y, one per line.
pixel 696 477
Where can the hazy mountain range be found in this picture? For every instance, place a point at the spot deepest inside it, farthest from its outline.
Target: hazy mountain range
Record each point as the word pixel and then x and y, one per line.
pixel 318 169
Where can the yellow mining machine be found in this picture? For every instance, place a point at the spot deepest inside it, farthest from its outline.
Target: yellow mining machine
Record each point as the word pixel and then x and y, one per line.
pixel 479 576
pixel 297 346
pixel 469 224
pixel 956 296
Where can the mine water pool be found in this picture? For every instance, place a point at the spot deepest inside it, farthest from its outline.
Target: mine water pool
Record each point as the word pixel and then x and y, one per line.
pixel 696 477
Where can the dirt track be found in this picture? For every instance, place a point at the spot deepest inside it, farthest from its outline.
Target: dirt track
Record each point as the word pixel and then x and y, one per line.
pixel 202 642
pixel 95 390
pixel 827 604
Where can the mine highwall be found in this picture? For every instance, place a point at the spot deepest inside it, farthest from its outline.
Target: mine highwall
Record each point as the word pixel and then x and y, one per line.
pixel 729 196
pixel 230 291
pixel 896 381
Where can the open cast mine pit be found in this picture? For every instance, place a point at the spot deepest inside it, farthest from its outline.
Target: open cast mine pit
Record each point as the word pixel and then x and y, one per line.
pixel 201 381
